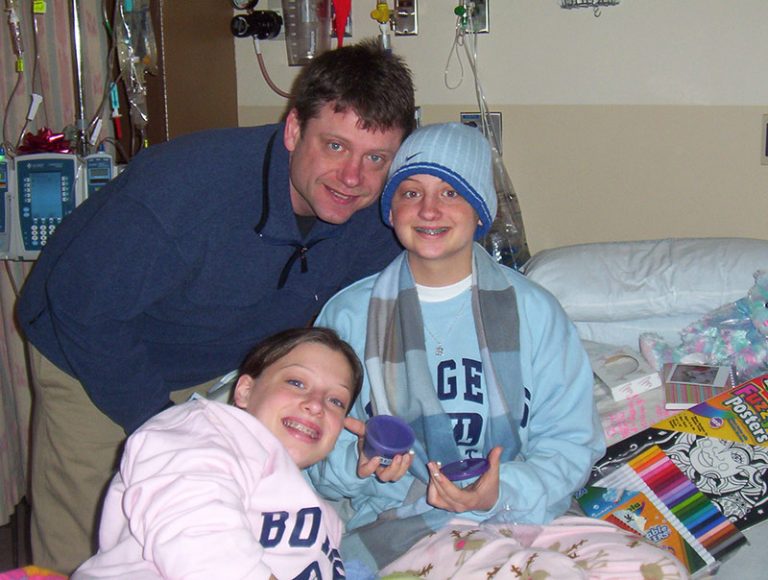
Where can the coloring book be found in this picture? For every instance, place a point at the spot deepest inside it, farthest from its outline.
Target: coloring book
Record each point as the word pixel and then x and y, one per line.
pixel 711 456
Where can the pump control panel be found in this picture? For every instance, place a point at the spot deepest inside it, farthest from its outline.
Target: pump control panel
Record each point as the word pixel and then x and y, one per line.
pixel 38 191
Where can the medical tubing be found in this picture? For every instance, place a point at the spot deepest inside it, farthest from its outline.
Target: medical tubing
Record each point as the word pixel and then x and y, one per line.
pixel 14 25
pixel 10 147
pixel 36 68
pixel 506 240
pixel 264 73
pixel 108 80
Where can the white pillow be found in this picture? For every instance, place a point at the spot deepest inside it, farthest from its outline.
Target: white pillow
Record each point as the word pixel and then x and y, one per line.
pixel 627 332
pixel 652 278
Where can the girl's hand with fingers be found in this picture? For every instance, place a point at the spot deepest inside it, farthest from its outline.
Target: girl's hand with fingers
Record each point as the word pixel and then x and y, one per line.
pixel 367 467
pixel 481 495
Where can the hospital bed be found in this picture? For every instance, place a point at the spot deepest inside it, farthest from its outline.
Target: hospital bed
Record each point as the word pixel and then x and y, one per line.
pixel 615 291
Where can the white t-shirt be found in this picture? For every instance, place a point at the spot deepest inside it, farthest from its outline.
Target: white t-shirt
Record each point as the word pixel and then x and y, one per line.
pixel 453 356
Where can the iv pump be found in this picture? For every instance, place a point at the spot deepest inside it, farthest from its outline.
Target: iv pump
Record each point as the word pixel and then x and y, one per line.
pixel 5 212
pixel 38 191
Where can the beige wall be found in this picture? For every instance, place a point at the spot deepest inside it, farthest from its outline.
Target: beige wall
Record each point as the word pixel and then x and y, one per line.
pixel 643 123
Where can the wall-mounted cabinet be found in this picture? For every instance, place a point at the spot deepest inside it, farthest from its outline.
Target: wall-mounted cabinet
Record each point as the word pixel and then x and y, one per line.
pixel 196 84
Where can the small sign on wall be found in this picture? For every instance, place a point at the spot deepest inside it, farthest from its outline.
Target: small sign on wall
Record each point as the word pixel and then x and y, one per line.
pixel 476 120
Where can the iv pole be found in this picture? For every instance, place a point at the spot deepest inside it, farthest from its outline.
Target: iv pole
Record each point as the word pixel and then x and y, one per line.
pixel 77 65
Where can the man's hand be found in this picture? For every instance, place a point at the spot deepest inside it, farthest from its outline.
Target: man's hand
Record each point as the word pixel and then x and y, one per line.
pixel 481 495
pixel 367 467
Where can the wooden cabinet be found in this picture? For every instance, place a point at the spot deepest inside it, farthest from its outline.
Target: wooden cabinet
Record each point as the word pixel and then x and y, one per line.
pixel 196 84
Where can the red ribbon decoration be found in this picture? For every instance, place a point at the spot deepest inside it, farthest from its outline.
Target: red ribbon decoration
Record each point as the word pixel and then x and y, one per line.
pixel 45 141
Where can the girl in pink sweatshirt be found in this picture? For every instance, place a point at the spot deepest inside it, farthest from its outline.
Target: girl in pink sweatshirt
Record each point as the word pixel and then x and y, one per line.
pixel 206 490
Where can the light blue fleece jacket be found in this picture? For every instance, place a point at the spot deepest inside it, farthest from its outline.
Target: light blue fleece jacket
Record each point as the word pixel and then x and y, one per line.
pixel 559 443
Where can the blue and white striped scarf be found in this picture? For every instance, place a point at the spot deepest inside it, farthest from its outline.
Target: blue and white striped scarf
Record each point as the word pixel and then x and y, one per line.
pixel 401 384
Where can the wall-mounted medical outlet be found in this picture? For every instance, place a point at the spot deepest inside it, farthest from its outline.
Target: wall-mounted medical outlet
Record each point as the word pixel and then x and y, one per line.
pixel 277 6
pixel 261 24
pixel 475 120
pixel 764 151
pixel 479 16
pixel 406 17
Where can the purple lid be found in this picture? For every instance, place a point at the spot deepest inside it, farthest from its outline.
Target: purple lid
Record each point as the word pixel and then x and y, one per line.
pixel 466 468
pixel 387 436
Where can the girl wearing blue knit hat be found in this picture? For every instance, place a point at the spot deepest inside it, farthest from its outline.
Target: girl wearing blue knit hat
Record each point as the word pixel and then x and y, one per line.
pixel 484 366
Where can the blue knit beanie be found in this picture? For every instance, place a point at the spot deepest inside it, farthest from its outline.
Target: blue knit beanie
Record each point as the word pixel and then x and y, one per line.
pixel 459 155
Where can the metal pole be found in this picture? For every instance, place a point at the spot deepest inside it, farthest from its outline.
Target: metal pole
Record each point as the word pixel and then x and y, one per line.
pixel 77 65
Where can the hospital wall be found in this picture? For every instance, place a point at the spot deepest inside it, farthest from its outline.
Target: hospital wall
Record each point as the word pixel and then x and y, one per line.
pixel 644 122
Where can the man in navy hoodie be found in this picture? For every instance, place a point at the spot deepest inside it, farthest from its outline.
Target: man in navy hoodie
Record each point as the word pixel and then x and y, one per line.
pixel 164 279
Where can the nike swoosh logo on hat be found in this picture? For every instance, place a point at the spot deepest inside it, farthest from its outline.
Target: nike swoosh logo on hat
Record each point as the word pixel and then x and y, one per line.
pixel 407 159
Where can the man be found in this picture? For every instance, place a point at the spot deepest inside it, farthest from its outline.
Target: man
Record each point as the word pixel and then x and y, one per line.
pixel 201 247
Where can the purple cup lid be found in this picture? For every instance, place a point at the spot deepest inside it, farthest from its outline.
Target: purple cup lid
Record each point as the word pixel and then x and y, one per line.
pixel 387 436
pixel 465 469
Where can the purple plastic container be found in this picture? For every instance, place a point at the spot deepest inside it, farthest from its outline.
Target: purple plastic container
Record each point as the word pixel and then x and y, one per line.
pixel 387 436
pixel 465 469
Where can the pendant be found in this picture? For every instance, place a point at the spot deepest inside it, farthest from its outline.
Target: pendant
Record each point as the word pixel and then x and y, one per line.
pixel 439 350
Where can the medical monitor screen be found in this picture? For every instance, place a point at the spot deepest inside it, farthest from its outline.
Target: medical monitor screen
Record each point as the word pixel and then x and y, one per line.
pixel 46 194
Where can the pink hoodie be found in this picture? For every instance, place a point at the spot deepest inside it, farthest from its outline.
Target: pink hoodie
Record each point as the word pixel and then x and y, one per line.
pixel 206 491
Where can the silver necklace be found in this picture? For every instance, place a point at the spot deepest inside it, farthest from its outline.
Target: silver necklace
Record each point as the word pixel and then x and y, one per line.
pixel 439 350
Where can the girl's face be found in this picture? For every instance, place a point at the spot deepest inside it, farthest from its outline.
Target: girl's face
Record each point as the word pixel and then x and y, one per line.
pixel 302 399
pixel 437 227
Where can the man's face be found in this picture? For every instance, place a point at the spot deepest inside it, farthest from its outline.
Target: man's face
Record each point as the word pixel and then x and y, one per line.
pixel 337 167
